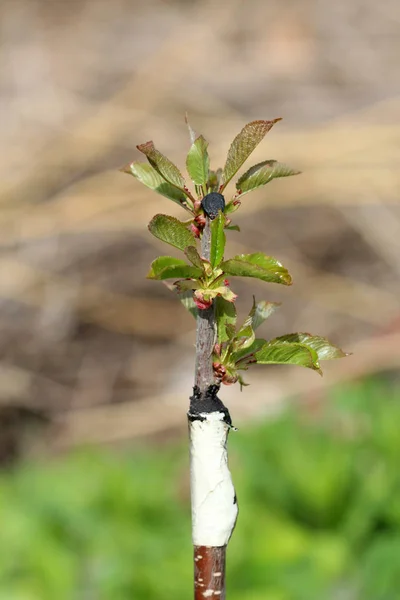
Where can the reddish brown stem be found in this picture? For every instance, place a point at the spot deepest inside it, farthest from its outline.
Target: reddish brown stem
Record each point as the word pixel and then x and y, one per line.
pixel 209 572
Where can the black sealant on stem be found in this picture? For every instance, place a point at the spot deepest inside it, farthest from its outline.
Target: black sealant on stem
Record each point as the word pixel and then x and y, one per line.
pixel 207 403
pixel 212 204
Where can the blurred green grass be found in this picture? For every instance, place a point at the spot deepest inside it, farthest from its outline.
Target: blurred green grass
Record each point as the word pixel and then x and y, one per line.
pixel 319 499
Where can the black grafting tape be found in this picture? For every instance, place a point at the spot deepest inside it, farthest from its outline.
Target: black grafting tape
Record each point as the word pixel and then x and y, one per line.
pixel 212 204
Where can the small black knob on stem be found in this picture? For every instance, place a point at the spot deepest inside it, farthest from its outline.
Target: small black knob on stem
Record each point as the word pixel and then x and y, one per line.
pixel 212 204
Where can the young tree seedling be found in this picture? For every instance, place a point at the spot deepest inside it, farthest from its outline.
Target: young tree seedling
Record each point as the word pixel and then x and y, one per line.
pixel 224 349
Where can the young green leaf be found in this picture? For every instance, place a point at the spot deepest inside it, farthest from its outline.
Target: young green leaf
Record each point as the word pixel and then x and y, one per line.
pixel 241 382
pixel 194 257
pixel 171 231
pixel 257 265
pixel 187 285
pixel 230 330
pixel 163 165
pixel 167 267
pixel 324 349
pixel 185 297
pixel 245 355
pixel 223 291
pixel 192 133
pixel 288 354
pixel 244 338
pixel 198 162
pixel 204 297
pixel 214 178
pixel 187 300
pixel 261 174
pixel 225 314
pixel 147 175
pixel 232 206
pixel 261 311
pixel 243 145
pixel 217 240
pixel 233 227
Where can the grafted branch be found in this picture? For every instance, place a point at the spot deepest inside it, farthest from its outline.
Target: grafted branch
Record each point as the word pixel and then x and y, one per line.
pixel 214 508
pixel 205 329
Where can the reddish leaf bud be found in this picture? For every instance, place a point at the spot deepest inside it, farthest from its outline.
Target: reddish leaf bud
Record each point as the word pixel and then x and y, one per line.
pixel 200 301
pixel 200 220
pixel 195 230
pixel 229 379
pixel 196 205
pixel 219 370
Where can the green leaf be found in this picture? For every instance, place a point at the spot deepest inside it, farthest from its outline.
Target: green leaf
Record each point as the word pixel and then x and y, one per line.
pixel 243 145
pixel 261 311
pixel 247 353
pixel 194 257
pixel 171 231
pixel 225 314
pixel 324 349
pixel 198 162
pixel 187 285
pixel 223 291
pixel 217 240
pixel 257 265
pixel 187 300
pixel 261 174
pixel 233 227
pixel 192 133
pixel 288 354
pixel 145 173
pixel 167 267
pixel 232 206
pixel 230 330
pixel 162 164
pixel 244 338
pixel 214 178
pixel 242 383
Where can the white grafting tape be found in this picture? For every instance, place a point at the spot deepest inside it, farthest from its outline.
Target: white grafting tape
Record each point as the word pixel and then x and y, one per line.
pixel 214 506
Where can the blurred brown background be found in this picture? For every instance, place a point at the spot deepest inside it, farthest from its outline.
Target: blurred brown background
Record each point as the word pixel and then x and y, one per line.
pixel 90 350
